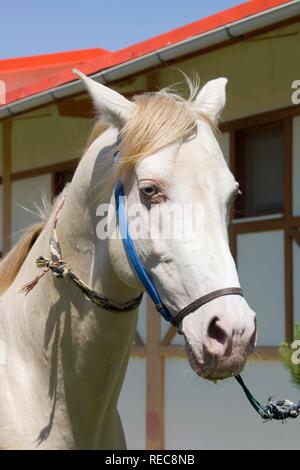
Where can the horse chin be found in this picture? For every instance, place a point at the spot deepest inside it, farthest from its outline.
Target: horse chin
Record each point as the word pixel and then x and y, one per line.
pixel 214 368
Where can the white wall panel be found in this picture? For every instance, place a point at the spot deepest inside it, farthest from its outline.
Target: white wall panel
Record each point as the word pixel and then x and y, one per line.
pixel 27 195
pixel 204 415
pixel 261 271
pixel 296 263
pixel 178 340
pixel 296 165
pixel 132 404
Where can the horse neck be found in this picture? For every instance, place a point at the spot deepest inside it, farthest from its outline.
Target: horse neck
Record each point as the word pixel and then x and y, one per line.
pixel 112 333
pixel 87 348
pixel 88 255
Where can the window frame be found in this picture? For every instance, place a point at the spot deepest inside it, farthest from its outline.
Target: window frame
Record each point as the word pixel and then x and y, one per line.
pixel 240 211
pixel 287 222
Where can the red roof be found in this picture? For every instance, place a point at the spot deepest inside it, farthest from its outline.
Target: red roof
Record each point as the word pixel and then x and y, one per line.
pixel 28 76
pixel 27 70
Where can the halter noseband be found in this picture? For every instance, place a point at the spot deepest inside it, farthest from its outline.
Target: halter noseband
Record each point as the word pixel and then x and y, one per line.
pixel 280 410
pixel 62 270
pixel 174 319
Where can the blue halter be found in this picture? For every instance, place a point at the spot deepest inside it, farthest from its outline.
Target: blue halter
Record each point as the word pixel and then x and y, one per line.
pixel 280 410
pixel 133 257
pixel 174 319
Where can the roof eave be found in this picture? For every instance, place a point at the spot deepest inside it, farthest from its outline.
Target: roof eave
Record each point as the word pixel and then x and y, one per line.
pixel 175 51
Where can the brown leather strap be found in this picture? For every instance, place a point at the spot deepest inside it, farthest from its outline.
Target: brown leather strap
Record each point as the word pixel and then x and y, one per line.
pixel 204 300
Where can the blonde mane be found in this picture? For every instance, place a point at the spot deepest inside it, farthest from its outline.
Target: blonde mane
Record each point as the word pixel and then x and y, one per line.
pixel 11 264
pixel 160 119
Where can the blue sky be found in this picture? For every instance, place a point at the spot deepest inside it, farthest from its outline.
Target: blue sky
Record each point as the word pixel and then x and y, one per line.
pixel 29 27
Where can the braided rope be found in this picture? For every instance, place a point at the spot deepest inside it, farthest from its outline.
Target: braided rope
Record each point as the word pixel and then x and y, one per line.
pixel 61 269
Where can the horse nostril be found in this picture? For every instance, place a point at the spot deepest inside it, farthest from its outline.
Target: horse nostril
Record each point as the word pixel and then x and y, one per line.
pixel 216 332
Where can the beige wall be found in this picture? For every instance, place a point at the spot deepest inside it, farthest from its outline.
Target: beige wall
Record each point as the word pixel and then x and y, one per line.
pixel 30 196
pixel 43 138
pixel 260 71
pixel 131 85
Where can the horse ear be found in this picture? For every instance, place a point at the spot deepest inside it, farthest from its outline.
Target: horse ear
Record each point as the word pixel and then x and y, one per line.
pixel 112 107
pixel 211 98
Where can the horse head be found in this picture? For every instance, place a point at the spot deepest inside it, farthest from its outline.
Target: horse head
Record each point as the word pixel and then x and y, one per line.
pixel 179 190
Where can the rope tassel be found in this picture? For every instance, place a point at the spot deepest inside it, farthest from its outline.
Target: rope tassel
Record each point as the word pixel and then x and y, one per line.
pixel 59 269
pixel 30 285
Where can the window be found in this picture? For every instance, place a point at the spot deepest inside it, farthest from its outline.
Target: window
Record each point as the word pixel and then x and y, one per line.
pixel 60 179
pixel 262 157
pixel 260 171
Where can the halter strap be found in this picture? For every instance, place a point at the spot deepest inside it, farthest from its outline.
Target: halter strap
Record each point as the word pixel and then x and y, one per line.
pixel 204 300
pixel 62 270
pixel 133 257
pixel 174 319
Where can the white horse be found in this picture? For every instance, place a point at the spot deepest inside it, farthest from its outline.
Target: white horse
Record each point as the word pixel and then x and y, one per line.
pixel 65 357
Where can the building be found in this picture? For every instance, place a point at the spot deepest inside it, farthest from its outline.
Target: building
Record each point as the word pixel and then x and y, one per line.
pixel 43 129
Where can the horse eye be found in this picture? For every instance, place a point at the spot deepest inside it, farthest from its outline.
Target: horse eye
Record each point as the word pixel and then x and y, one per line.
pixel 149 190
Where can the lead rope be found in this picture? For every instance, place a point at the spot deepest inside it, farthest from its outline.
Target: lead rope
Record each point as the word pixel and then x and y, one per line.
pixel 278 410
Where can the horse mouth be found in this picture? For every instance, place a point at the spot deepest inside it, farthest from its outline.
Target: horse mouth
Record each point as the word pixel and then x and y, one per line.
pixel 211 367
